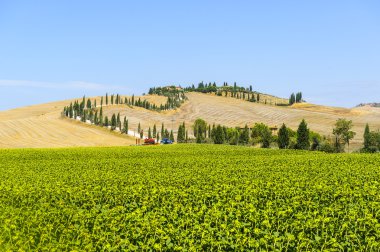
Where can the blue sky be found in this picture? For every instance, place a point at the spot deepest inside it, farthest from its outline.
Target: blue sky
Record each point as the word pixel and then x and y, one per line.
pixel 52 50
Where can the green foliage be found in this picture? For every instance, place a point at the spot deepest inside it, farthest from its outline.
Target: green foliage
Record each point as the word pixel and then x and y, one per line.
pixel 149 133
pixel 292 99
pixel 303 138
pixel 154 131
pixel 244 135
pixel 200 128
pixel 125 125
pixel 113 122
pixel 262 134
pixel 210 198
pixel 171 136
pixel 219 137
pixel 181 135
pixel 283 137
pixel 371 140
pixel 343 133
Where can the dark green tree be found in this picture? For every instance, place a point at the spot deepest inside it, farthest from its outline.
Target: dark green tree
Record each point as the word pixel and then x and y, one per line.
pixel 101 116
pixel 125 127
pixel 167 134
pixel 283 137
pixel 367 138
pixel 88 105
pixel 219 135
pixel 149 133
pixel 106 98
pixel 118 121
pixel 162 131
pixel 292 99
pixel 262 134
pixel 244 135
pixel 171 137
pixel 303 140
pixel 154 131
pixel 113 122
pixel 96 122
pixel 200 128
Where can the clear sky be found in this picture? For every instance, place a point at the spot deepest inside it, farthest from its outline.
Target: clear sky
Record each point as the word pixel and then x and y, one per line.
pixel 52 50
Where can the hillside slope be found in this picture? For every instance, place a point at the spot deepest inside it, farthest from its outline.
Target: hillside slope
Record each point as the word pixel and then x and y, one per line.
pixel 42 126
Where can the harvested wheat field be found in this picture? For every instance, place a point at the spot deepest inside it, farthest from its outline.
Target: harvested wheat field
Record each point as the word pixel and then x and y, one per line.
pixel 42 125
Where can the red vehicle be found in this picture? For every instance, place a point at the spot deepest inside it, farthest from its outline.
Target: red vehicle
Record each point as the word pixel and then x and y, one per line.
pixel 149 141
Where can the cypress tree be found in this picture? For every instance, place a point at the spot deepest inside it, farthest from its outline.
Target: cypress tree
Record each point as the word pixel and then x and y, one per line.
pixel 149 133
pixel 88 105
pixel 158 137
pixel 154 131
pixel 167 135
pixel 141 134
pixel 258 98
pixel 112 99
pixel 187 136
pixel 199 136
pixel 96 118
pixel 367 137
pixel 162 130
pixel 125 125
pixel 84 116
pixel 292 99
pixel 113 122
pixel 118 120
pixel 138 128
pixel 244 136
pixel 171 137
pixel 219 135
pixel 180 134
pixel 71 110
pixel 283 137
pixel 303 136
pixel 106 121
pixel 106 98
pixel 101 101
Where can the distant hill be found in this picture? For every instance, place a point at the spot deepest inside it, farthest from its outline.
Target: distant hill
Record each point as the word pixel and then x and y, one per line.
pixel 42 125
pixel 373 104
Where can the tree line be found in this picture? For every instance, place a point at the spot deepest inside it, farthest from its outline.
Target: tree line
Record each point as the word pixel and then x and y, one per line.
pixel 88 108
pixel 286 138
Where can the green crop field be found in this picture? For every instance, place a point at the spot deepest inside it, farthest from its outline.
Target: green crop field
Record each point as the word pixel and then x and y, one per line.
pixel 188 197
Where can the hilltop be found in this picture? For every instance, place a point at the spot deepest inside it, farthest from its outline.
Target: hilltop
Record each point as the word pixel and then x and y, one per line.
pixel 43 126
pixel 372 104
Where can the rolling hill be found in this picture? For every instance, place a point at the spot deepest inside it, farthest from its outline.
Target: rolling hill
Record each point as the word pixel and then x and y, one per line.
pixel 43 126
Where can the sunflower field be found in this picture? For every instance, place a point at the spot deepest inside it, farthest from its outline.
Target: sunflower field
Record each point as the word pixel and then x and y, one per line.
pixel 188 198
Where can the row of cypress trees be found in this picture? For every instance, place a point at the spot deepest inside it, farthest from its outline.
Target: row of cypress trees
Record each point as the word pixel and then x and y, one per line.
pixel 78 108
